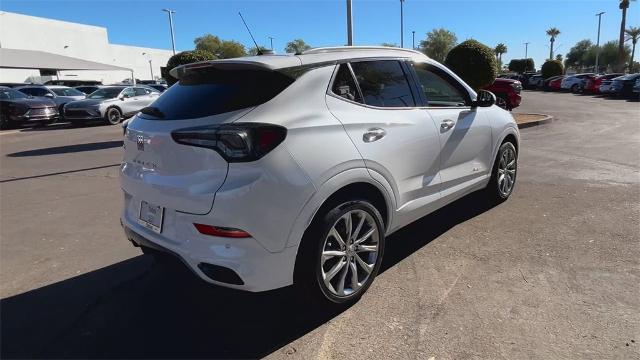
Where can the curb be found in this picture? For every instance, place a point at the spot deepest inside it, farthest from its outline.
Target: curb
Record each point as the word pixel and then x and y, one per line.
pixel 545 120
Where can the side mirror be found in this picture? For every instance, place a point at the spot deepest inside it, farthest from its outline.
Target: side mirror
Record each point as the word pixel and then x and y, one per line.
pixel 485 99
pixel 49 95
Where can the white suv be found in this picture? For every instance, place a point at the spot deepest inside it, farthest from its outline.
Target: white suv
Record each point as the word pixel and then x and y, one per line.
pixel 267 171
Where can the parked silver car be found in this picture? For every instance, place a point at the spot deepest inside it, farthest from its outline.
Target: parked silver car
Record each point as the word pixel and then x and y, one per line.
pixel 110 104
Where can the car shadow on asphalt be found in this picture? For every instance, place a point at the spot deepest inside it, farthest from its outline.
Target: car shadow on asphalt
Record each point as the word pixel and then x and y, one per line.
pixel 139 308
pixel 101 145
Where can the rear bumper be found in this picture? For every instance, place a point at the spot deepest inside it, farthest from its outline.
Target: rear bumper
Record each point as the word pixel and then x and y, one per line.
pixel 256 268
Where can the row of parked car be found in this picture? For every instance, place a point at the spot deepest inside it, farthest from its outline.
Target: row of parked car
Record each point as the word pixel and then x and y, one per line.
pixel 614 84
pixel 39 105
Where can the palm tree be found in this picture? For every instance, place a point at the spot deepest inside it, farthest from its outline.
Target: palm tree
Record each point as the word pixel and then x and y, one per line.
pixel 624 5
pixel 633 33
pixel 499 50
pixel 553 33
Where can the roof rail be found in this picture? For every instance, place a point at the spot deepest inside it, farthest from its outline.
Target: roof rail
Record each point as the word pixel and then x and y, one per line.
pixel 324 50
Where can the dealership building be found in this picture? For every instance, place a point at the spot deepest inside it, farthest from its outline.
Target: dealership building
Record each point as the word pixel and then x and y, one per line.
pixel 72 40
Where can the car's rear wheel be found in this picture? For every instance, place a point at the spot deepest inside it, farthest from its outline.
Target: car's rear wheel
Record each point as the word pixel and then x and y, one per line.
pixel 4 123
pixel 341 253
pixel 575 88
pixel 113 116
pixel 503 176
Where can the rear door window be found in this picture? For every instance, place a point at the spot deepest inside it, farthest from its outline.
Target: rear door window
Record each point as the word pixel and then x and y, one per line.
pixel 383 83
pixel 344 85
pixel 209 91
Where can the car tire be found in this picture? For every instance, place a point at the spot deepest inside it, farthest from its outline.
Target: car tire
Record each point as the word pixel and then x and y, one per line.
pixel 574 88
pixel 113 116
pixel 501 101
pixel 324 272
pixel 4 123
pixel 503 174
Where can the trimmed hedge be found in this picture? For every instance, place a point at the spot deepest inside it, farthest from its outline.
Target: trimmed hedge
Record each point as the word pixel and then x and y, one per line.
pixel 474 62
pixel 552 68
pixel 185 57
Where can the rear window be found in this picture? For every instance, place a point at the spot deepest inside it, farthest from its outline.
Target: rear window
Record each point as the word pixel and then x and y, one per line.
pixel 67 92
pixel 208 91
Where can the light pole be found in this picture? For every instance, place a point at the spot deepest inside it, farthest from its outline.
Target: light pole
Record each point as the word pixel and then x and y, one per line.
pixel 599 15
pixel 150 64
pixel 173 39
pixel 401 23
pixel 271 40
pixel 526 53
pixel 413 39
pixel 349 24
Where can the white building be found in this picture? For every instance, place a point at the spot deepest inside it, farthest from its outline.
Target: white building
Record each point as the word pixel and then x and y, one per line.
pixel 81 41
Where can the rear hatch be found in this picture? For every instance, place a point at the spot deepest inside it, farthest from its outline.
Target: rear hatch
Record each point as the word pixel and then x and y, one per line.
pixel 158 170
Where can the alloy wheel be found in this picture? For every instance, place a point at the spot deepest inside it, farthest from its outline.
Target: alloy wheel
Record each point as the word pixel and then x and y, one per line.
pixel 506 172
pixel 113 116
pixel 349 253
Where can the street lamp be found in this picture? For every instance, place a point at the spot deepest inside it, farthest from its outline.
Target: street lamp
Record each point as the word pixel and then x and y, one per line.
pixel 173 39
pixel 599 15
pixel 349 24
pixel 413 39
pixel 401 23
pixel 271 40
pixel 150 64
pixel 526 53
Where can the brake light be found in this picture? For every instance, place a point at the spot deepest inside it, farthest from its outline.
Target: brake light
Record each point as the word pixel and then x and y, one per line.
pixel 221 231
pixel 237 142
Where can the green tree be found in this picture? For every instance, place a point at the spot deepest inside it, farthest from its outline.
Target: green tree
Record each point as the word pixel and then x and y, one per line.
pixel 296 46
pixel 624 5
pixel 222 49
pixel 633 33
pixel 577 55
pixel 183 58
pixel 499 50
pixel 553 34
pixel 559 57
pixel 552 68
pixel 474 62
pixel 609 56
pixel 438 44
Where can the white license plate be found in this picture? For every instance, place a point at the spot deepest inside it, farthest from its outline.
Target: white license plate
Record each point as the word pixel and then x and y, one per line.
pixel 151 216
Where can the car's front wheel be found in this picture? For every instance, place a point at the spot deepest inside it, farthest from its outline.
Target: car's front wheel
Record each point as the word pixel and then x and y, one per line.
pixel 503 176
pixel 341 253
pixel 113 116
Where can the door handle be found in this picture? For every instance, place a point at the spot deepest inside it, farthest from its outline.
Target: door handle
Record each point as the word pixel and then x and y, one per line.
pixel 447 124
pixel 373 134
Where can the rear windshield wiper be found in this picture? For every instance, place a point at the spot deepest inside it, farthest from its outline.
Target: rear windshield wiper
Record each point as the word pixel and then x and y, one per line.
pixel 153 111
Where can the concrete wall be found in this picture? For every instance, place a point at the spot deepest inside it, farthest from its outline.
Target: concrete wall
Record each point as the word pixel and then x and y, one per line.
pixel 87 42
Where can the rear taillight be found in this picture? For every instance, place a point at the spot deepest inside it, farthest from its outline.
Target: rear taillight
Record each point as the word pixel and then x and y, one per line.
pixel 237 142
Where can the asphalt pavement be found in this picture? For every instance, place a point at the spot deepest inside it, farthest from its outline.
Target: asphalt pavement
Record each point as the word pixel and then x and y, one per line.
pixel 552 273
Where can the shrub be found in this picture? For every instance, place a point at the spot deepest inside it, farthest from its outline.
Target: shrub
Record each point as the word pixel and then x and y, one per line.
pixel 474 62
pixel 185 57
pixel 522 65
pixel 552 68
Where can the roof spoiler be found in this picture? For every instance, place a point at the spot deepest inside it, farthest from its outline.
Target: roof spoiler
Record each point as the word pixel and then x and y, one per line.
pixel 178 71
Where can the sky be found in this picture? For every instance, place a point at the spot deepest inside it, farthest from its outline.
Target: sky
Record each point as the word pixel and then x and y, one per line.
pixel 322 23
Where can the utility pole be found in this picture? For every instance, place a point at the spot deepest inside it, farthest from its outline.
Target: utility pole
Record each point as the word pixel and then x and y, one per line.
pixel 173 39
pixel 526 53
pixel 271 40
pixel 349 24
pixel 401 23
pixel 413 39
pixel 151 69
pixel 599 15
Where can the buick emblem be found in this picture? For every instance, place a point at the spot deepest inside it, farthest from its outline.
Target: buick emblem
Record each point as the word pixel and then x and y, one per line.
pixel 140 141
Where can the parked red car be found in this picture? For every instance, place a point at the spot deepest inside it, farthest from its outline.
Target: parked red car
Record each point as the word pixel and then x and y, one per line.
pixel 554 85
pixel 592 85
pixel 507 93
